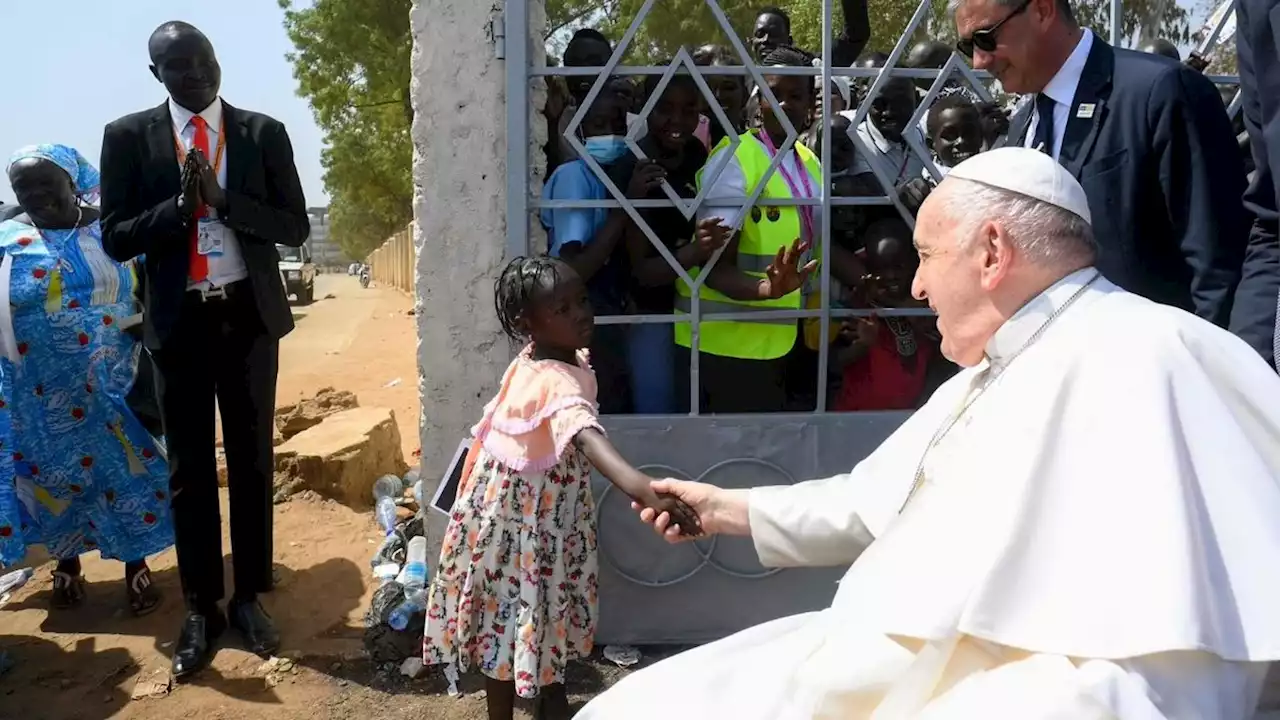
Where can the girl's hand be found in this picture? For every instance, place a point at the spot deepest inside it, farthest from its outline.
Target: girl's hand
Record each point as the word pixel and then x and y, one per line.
pixel 785 275
pixel 710 236
pixel 683 517
pixel 716 510
pixel 645 179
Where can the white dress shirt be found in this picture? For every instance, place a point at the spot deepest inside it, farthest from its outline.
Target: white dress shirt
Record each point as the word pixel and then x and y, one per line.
pixel 228 267
pixel 1062 90
pixel 896 160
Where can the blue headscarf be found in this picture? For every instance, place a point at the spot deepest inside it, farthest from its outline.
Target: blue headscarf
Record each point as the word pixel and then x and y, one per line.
pixel 83 174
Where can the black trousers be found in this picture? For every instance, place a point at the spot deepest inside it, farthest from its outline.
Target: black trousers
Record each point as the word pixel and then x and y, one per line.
pixel 220 352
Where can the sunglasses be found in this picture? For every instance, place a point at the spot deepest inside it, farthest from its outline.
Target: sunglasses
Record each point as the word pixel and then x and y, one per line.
pixel 985 39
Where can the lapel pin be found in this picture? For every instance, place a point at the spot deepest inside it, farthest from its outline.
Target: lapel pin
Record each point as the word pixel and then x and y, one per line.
pixel 1085 110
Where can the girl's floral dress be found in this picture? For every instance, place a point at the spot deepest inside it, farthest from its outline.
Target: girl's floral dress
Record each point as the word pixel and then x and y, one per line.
pixel 515 592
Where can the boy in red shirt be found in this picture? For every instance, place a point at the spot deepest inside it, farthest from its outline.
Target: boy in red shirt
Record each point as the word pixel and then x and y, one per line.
pixel 884 360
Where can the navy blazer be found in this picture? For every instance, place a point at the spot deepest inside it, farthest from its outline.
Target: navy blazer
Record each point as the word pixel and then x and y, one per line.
pixel 1257 38
pixel 1158 160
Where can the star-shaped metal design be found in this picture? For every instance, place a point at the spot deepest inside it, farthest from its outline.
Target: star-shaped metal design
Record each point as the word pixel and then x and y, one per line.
pixel 953 65
pixel 714 169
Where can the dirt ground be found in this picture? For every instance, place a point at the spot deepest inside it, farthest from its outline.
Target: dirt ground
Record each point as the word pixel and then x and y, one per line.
pixel 86 664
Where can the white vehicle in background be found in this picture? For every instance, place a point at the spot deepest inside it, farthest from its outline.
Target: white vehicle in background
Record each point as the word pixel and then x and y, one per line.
pixel 299 273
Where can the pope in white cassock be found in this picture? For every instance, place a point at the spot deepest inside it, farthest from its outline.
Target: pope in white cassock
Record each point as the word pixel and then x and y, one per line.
pixel 1083 524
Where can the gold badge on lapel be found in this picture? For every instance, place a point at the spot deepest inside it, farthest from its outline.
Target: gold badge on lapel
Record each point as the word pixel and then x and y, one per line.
pixel 1085 110
pixel 774 213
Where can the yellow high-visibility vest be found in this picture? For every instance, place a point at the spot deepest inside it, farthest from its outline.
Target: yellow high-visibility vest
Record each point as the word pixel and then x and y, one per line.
pixel 764 231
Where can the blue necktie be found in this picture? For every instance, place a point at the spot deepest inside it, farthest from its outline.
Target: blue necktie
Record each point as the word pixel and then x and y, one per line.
pixel 1043 139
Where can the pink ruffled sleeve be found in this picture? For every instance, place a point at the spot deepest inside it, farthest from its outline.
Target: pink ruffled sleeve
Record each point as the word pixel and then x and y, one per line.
pixel 547 404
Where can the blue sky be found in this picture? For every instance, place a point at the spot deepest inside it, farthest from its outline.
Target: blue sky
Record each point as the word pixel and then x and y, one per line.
pixel 72 66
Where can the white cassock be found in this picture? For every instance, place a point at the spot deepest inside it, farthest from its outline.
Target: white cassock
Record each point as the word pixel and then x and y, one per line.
pixel 1097 537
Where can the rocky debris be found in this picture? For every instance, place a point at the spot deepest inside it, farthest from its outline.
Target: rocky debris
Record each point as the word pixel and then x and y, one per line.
pixel 411 667
pixel 307 413
pixel 277 669
pixel 337 457
pixel 156 685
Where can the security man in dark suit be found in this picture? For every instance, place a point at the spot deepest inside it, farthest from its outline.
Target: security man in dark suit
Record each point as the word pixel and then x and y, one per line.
pixel 1257 38
pixel 205 191
pixel 1145 136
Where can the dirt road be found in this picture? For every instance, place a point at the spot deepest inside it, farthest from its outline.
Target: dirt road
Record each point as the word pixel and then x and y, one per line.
pixel 86 663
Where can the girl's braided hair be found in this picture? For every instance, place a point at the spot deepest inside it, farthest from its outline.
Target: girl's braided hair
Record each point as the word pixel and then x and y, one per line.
pixel 519 286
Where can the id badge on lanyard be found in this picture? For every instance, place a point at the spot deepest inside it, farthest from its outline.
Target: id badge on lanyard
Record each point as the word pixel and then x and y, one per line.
pixel 210 231
pixel 210 236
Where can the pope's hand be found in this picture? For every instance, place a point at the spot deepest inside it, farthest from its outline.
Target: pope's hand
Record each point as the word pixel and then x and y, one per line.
pixel 719 511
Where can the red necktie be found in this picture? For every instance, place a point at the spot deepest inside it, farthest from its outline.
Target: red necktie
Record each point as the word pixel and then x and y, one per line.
pixel 199 268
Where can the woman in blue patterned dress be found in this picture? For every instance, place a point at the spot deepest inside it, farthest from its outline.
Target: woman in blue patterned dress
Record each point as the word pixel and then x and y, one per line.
pixel 85 473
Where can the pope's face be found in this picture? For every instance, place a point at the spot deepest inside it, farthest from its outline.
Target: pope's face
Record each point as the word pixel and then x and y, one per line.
pixel 949 278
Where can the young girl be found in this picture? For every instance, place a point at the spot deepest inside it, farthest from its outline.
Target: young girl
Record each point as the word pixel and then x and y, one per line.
pixel 515 592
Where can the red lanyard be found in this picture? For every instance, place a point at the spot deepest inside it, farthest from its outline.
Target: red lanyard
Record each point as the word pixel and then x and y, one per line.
pixel 804 189
pixel 217 154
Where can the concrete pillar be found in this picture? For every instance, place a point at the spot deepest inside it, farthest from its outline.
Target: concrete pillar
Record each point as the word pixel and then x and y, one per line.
pixel 459 230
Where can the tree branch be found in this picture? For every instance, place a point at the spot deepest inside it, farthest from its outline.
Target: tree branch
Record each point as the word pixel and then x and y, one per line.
pixel 574 18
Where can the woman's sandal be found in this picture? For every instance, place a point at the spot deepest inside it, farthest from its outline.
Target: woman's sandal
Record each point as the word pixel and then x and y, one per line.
pixel 143 596
pixel 68 590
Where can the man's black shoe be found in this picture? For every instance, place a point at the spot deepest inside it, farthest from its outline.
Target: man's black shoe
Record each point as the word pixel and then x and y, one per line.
pixel 195 642
pixel 255 626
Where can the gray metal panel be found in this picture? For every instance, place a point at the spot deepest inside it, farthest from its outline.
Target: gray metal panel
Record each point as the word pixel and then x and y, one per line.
pixel 516 50
pixel 655 593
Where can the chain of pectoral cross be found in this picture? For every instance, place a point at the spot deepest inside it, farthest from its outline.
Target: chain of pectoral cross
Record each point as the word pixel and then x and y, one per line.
pixel 983 381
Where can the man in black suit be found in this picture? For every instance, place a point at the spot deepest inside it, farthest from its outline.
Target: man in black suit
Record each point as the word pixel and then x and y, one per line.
pixel 1146 137
pixel 204 192
pixel 1257 41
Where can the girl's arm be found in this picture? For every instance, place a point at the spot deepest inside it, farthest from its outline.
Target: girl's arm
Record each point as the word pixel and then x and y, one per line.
pixel 635 484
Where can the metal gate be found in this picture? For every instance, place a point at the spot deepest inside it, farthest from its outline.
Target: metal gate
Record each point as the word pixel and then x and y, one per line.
pixel 651 592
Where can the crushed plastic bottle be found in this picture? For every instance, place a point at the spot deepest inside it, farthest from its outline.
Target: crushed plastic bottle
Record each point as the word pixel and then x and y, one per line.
pixel 415 566
pixel 387 486
pixel 413 604
pixel 451 674
pixel 385 513
pixel 386 572
pixel 386 491
pixel 14 580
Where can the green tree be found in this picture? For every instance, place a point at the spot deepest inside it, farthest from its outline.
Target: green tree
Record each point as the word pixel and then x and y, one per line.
pixel 1141 20
pixel 351 62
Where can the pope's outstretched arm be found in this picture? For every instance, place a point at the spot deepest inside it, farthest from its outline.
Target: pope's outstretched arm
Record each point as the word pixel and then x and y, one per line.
pixel 810 523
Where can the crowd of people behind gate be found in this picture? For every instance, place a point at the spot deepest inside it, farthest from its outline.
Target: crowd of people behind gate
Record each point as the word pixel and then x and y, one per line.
pixel 1146 134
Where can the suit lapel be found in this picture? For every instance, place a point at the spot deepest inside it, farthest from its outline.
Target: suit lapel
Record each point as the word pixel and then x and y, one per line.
pixel 1088 108
pixel 239 146
pixel 1018 125
pixel 160 144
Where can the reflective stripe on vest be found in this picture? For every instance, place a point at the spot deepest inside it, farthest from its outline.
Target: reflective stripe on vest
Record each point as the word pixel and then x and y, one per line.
pixel 764 231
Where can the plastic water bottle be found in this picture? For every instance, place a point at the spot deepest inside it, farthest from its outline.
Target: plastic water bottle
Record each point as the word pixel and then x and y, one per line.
pixel 385 513
pixel 415 566
pixel 413 604
pixel 386 572
pixel 451 674
pixel 14 580
pixel 385 492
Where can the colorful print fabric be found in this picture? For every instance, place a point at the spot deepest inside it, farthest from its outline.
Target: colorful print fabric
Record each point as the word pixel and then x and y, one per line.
pixel 78 472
